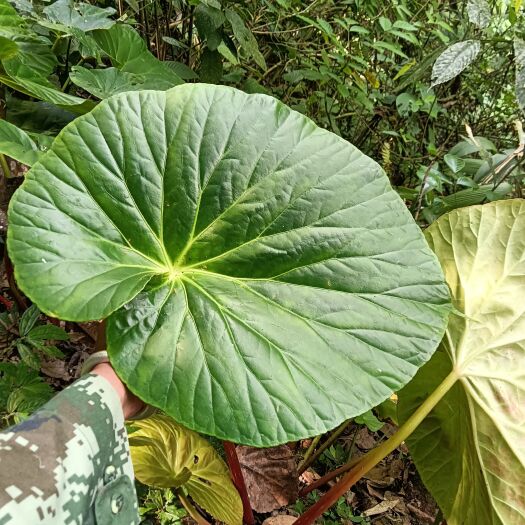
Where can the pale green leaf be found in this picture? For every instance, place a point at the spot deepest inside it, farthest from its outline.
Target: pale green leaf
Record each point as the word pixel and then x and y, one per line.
pixel 103 83
pixel 167 455
pixel 456 164
pixel 479 12
pixel 227 236
pixel 370 420
pixel 470 451
pixel 387 46
pixel 519 60
pixel 79 15
pixel 454 60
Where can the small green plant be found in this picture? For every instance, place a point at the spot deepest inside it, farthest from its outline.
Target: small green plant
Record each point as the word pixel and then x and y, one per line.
pixel 341 512
pixel 161 506
pixel 22 391
pixel 32 340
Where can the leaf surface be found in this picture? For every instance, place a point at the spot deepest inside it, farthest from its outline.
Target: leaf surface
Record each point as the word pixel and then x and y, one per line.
pixel 479 12
pixel 103 83
pixel 167 455
pixel 454 60
pixel 17 144
pixel 128 52
pixel 263 281
pixel 470 451
pixel 79 15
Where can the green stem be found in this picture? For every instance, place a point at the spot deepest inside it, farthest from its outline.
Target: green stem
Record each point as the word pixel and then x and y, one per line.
pixel 4 165
pixel 371 459
pixel 304 463
pixel 307 461
pixel 191 510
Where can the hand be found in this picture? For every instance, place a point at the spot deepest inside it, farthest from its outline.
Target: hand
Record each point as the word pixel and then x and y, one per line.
pixel 131 404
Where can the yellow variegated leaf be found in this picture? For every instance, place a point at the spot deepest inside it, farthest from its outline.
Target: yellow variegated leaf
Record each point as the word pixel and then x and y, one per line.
pixel 168 455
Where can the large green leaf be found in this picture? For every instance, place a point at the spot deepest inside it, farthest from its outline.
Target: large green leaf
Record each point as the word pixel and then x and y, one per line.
pixel 167 455
pixel 272 283
pixel 470 451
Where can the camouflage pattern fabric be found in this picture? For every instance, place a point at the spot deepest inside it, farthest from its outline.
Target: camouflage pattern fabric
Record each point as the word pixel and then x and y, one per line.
pixel 69 462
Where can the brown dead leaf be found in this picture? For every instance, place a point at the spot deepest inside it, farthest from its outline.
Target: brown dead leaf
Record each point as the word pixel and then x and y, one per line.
pixel 420 514
pixel 379 476
pixel 56 369
pixel 364 439
pixel 280 519
pixel 381 508
pixel 270 475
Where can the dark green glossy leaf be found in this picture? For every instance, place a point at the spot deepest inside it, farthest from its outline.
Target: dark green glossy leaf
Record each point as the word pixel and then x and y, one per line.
pixel 48 331
pixel 245 37
pixel 28 319
pixel 37 117
pixel 28 355
pixel 211 67
pixel 208 20
pixel 265 281
pixel 22 390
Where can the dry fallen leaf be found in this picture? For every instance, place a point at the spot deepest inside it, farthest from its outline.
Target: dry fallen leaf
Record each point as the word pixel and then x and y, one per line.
pixel 270 475
pixel 57 369
pixel 364 439
pixel 280 519
pixel 380 508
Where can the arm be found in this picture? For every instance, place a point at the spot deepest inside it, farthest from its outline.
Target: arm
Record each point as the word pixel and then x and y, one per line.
pixel 69 462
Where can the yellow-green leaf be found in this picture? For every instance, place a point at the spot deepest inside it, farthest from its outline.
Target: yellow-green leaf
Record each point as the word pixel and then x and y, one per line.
pixel 167 455
pixel 470 451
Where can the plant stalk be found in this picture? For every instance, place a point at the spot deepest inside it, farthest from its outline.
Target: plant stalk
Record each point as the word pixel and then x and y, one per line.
pixel 371 459
pixel 308 460
pixel 238 481
pixel 304 463
pixel 4 166
pixel 191 510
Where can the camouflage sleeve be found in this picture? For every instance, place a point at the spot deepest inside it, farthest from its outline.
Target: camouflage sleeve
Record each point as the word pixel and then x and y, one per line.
pixel 69 462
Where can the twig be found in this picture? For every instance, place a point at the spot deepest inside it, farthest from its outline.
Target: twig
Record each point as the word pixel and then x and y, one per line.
pixel 191 510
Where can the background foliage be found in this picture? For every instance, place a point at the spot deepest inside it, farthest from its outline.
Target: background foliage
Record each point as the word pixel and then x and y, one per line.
pixel 399 79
